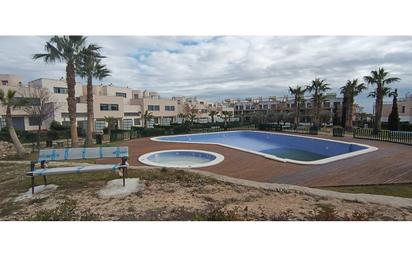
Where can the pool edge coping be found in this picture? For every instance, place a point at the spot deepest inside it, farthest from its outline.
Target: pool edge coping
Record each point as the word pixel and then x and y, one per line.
pixel 144 159
pixel 273 157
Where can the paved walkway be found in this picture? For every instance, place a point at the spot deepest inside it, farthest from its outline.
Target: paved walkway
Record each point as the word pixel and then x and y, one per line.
pixel 392 163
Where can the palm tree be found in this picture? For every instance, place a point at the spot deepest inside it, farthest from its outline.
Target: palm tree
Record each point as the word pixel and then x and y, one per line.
pixel 190 112
pixel 317 88
pixel 298 92
pixel 10 102
pixel 381 79
pixel 147 116
pixel 90 67
pixel 182 116
pixel 350 90
pixel 66 49
pixel 111 122
pixel 212 114
pixel 226 115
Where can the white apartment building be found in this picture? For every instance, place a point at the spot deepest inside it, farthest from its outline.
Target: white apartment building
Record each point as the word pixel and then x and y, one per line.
pixel 404 109
pixel 122 103
pixel 126 105
pixel 202 108
pixel 21 119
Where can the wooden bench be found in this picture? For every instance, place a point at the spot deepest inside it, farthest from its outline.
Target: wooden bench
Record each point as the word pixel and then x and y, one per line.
pixel 66 154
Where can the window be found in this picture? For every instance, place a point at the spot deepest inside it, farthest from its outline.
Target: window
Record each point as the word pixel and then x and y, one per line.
pixel 121 94
pixel 4 82
pixel 153 107
pixel 128 114
pixel 104 107
pixel 34 121
pixel 169 108
pixel 60 90
pixel 403 109
pixel 114 107
pixel 65 115
pixel 2 123
pixel 99 125
pixel 109 107
pixel 137 122
pixel 127 124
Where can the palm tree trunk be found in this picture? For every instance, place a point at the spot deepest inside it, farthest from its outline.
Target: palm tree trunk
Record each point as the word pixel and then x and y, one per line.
pixel 349 110
pixel 90 114
pixel 378 108
pixel 14 138
pixel 296 112
pixel 71 102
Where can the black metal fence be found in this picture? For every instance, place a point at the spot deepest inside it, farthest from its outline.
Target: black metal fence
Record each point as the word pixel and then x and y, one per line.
pixel 402 137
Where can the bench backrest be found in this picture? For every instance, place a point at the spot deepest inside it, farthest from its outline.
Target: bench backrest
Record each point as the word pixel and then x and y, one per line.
pixel 82 153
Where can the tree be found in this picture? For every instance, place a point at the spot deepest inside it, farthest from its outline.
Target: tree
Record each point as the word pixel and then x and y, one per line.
pixel 258 118
pixel 381 79
pixel 393 119
pixel 349 91
pixel 42 109
pixel 271 116
pixel 66 49
pixel 336 120
pixel 317 88
pixel 226 116
pixel 298 93
pixel 182 116
pixel 325 116
pixel 190 112
pixel 10 102
pixel 212 114
pixel 90 67
pixel 147 116
pixel 111 123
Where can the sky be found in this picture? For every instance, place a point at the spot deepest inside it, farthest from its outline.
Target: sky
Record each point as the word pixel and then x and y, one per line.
pixel 218 67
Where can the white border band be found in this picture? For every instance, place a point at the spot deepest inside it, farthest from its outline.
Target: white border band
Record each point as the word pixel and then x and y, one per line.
pixel 273 157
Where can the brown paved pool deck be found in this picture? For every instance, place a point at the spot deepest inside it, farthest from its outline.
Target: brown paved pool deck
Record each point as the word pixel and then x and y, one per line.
pixel 392 163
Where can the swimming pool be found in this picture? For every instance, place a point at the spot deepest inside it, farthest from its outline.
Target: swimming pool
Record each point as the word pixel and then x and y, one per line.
pixel 181 158
pixel 282 147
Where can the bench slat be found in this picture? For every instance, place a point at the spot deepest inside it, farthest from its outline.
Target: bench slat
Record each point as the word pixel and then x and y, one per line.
pixel 82 153
pixel 75 169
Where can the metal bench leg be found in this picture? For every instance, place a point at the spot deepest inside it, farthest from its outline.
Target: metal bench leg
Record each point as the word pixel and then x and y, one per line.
pixel 32 185
pixel 124 176
pixel 45 180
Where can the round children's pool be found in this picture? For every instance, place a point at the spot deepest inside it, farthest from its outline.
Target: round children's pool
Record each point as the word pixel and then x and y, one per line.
pixel 181 158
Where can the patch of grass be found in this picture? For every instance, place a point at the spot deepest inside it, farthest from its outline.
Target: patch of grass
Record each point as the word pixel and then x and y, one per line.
pixel 401 190
pixel 178 176
pixel 217 214
pixel 65 211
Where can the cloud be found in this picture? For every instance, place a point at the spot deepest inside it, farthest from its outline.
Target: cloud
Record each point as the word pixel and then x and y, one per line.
pixel 216 68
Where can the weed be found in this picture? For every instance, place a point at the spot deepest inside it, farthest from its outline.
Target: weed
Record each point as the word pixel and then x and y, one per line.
pixel 65 211
pixel 217 214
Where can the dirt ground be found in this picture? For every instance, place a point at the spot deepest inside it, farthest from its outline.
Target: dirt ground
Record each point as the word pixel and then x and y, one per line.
pixel 174 195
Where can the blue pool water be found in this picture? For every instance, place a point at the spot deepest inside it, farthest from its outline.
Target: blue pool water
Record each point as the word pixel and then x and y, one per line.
pixel 292 148
pixel 181 157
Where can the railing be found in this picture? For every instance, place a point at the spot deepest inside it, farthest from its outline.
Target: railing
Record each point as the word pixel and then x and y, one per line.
pixel 401 137
pixel 219 129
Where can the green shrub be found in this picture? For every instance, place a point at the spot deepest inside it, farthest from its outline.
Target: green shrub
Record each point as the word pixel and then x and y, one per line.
pixel 217 214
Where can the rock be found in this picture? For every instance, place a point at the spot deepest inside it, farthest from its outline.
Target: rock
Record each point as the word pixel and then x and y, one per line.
pixel 115 188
